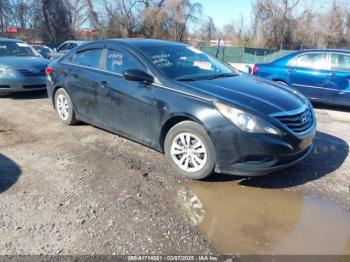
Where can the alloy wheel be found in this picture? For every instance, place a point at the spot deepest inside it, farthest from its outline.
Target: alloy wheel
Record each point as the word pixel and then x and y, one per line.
pixel 189 152
pixel 62 107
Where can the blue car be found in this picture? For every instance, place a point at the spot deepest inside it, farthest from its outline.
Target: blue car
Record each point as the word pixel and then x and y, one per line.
pixel 321 75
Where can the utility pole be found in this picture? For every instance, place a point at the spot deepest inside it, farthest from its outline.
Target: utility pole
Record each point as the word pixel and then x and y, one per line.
pixel 218 48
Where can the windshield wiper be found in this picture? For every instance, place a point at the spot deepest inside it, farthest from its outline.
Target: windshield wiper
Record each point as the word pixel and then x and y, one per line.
pixel 222 76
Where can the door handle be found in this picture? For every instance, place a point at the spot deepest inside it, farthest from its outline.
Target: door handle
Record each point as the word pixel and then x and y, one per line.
pixel 291 70
pixel 103 84
pixel 67 72
pixel 333 75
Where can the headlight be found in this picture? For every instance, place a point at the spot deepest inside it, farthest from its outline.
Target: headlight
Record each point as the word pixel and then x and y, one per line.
pixel 246 121
pixel 6 72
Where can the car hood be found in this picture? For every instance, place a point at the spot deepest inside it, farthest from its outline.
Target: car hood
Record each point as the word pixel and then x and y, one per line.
pixel 15 62
pixel 249 92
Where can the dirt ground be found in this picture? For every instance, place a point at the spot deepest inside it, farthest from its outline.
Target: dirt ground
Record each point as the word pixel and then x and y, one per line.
pixel 82 190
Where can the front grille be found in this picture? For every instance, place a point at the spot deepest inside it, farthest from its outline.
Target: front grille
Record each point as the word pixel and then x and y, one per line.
pixel 34 86
pixel 32 73
pixel 298 123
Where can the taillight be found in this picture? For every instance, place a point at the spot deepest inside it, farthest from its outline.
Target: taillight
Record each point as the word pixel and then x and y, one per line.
pixel 49 70
pixel 255 69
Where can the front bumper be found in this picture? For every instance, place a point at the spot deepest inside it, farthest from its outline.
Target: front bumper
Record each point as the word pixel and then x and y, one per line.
pixel 264 168
pixel 259 154
pixel 22 84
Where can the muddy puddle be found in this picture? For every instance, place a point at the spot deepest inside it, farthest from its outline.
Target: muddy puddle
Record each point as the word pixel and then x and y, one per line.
pixel 245 220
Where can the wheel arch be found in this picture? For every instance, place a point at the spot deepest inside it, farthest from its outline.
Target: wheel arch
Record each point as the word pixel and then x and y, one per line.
pixel 280 80
pixel 54 90
pixel 173 121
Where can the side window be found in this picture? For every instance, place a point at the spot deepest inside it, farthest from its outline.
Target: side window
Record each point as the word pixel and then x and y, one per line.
pixel 62 48
pixel 311 61
pixel 71 46
pixel 119 61
pixel 89 58
pixel 341 63
pixel 68 59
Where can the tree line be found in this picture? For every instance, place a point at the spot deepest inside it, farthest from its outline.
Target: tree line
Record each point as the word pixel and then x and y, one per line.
pixel 287 24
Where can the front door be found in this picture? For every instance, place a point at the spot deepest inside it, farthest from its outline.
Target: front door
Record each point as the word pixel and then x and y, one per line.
pixel 339 82
pixel 131 104
pixel 309 74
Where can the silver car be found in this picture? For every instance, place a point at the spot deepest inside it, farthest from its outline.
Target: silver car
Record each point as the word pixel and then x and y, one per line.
pixel 63 49
pixel 22 68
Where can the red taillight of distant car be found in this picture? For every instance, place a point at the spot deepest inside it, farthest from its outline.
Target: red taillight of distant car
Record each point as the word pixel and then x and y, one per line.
pixel 49 71
pixel 255 69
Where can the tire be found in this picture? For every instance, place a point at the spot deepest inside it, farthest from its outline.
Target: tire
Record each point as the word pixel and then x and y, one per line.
pixel 64 107
pixel 190 151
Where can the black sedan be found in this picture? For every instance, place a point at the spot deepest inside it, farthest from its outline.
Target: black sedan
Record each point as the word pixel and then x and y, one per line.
pixel 203 114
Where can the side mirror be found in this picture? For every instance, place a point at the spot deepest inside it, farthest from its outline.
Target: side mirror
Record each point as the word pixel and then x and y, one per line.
pixel 138 75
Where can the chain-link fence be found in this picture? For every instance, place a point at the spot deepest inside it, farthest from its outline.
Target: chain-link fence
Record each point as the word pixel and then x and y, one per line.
pixel 246 55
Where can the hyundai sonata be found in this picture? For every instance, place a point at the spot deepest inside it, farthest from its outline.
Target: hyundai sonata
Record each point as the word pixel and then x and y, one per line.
pixel 203 114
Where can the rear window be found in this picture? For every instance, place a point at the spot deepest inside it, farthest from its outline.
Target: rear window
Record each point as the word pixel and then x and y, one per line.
pixel 341 62
pixel 317 61
pixel 89 58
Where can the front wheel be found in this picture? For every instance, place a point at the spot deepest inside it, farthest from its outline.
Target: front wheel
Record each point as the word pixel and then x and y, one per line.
pixel 190 151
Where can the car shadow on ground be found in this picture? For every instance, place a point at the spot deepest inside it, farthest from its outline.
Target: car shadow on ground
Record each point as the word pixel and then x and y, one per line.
pixel 42 94
pixel 328 155
pixel 9 173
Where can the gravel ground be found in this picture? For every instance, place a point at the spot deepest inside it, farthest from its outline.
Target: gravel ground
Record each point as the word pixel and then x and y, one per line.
pixel 81 190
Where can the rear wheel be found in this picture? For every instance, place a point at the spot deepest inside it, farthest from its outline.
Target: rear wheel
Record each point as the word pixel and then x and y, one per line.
pixel 64 107
pixel 190 151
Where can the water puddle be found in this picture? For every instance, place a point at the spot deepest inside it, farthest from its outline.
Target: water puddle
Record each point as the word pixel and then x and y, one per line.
pixel 245 220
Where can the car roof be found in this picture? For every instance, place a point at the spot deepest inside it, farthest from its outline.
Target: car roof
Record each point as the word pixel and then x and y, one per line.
pixel 325 51
pixel 142 43
pixel 74 42
pixel 10 40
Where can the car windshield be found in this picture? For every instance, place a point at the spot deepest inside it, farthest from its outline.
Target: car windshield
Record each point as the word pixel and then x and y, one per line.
pixel 43 49
pixel 184 63
pixel 8 48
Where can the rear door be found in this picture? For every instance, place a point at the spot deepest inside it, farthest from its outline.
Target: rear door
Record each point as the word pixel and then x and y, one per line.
pixel 339 82
pixel 309 73
pixel 131 104
pixel 86 84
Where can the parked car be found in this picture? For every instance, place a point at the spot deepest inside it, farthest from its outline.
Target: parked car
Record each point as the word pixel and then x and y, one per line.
pixel 203 114
pixel 63 49
pixel 322 75
pixel 44 50
pixel 22 68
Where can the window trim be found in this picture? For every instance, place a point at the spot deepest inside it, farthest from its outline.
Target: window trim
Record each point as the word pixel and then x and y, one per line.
pixel 328 68
pixel 331 66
